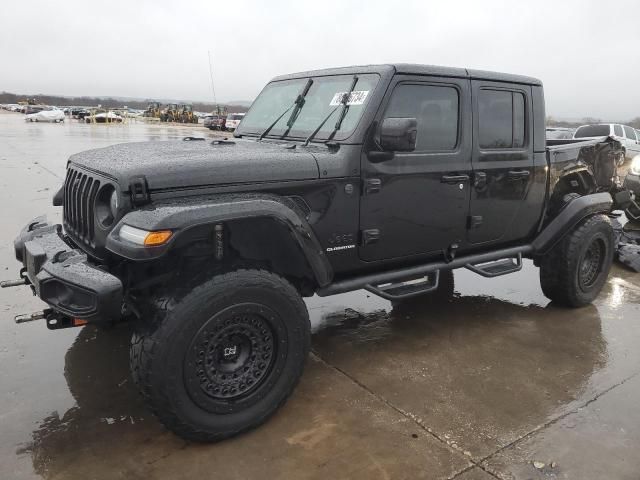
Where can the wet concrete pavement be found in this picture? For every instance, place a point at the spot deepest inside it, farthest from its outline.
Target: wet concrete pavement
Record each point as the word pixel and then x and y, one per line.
pixel 476 387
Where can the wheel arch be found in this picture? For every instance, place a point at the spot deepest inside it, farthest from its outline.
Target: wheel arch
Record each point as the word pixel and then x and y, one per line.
pixel 265 230
pixel 577 180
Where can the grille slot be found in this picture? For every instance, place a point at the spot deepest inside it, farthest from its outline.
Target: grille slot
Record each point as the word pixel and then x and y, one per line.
pixel 80 191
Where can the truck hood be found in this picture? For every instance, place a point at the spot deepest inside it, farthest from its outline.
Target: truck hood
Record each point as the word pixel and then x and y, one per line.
pixel 181 164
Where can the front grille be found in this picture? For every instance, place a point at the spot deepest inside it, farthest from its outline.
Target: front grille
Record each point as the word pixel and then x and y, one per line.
pixel 80 192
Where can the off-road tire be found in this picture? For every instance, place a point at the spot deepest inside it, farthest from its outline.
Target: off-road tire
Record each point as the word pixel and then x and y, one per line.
pixel 575 270
pixel 167 345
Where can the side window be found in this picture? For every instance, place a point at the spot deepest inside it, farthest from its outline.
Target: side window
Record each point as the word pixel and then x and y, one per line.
pixel 436 110
pixel 617 130
pixel 629 133
pixel 501 119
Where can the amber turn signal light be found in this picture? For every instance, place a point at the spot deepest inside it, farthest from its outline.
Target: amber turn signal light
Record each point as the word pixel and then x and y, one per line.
pixel 157 238
pixel 144 238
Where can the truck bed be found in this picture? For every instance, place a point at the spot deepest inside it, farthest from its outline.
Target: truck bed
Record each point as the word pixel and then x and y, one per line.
pixel 601 156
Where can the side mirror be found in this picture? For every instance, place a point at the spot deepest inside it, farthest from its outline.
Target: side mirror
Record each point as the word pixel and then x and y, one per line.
pixel 398 134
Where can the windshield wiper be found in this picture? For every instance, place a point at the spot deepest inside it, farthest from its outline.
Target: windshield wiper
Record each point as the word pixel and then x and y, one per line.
pixel 297 106
pixel 345 108
pixel 299 102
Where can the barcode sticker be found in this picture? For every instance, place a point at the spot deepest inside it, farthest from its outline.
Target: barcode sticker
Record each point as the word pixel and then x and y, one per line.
pixel 356 98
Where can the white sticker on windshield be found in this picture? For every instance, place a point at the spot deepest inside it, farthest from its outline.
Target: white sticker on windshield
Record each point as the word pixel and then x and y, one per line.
pixel 356 98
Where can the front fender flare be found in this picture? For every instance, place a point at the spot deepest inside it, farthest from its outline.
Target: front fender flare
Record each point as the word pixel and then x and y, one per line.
pixel 180 215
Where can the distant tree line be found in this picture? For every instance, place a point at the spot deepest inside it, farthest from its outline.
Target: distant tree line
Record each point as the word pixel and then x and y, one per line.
pixel 552 122
pixel 6 97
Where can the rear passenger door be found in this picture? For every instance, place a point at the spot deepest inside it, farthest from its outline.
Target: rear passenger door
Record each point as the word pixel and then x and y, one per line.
pixel 503 163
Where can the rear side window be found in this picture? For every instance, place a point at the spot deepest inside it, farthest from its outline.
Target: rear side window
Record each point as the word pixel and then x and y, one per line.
pixel 501 119
pixel 592 131
pixel 629 132
pixel 436 110
pixel 617 130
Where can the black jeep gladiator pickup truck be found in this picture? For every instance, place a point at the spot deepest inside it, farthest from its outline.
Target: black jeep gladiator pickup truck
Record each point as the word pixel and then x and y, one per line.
pixel 377 177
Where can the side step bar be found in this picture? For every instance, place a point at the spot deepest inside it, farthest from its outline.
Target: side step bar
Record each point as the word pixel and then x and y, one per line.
pixel 479 261
pixel 407 288
pixel 497 267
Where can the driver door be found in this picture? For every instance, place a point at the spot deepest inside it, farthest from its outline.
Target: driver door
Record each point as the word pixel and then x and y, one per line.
pixel 417 202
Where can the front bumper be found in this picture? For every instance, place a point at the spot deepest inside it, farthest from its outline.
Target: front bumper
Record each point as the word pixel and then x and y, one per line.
pixel 64 277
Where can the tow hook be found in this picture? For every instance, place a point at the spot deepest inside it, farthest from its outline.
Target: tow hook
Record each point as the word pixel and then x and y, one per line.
pixel 30 317
pixel 13 283
pixel 55 320
pixel 24 280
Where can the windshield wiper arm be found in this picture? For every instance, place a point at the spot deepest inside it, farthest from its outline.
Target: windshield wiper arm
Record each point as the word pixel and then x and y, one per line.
pixel 297 104
pixel 345 107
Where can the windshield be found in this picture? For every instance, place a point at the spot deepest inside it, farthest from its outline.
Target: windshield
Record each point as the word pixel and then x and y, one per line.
pixel 323 96
pixel 235 117
pixel 592 131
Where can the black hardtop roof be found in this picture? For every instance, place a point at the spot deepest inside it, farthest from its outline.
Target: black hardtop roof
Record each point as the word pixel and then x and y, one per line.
pixel 416 69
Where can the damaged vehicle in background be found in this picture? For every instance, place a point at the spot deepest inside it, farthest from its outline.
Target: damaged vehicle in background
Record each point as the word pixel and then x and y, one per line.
pixel 625 134
pixel 632 183
pixel 384 178
pixel 628 235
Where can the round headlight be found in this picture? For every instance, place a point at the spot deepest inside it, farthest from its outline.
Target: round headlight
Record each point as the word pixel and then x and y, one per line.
pixel 113 204
pixel 106 200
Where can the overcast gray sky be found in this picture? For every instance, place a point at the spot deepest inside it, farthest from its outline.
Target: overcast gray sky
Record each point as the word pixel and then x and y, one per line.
pixel 587 53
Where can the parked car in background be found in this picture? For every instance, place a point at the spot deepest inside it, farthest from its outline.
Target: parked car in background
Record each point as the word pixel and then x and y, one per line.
pixel 11 107
pixel 80 113
pixel 29 109
pixel 50 114
pixel 623 133
pixel 558 133
pixel 215 122
pixel 103 117
pixel 206 119
pixel 233 120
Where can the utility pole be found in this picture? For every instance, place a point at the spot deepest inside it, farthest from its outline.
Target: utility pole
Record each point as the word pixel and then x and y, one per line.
pixel 213 89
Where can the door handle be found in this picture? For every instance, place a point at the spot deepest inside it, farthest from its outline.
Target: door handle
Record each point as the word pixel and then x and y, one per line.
pixel 518 174
pixel 453 179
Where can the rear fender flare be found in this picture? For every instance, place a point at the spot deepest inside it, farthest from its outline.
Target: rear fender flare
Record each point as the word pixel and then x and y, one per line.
pixel 567 219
